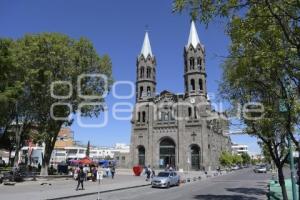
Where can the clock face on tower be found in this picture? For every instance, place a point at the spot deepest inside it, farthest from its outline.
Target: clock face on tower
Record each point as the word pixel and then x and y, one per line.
pixel 192 100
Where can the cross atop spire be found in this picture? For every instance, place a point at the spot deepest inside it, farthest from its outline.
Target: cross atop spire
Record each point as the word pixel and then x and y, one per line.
pixel 193 37
pixel 146 49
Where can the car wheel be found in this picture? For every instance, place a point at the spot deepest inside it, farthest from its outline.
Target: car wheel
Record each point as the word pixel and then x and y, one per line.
pixel 168 185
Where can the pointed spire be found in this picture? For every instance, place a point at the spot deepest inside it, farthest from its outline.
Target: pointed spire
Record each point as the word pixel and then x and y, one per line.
pixel 193 37
pixel 146 49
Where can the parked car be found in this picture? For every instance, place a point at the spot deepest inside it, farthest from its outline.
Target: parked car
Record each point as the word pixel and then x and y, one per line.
pixel 166 179
pixel 235 167
pixel 260 169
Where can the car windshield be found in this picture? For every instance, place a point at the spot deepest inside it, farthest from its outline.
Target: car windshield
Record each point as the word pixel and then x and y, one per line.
pixel 163 174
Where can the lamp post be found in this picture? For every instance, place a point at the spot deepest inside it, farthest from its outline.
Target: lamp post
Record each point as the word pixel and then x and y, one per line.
pixel 283 109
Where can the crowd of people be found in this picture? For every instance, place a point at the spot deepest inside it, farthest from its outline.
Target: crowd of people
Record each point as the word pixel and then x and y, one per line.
pixel 92 173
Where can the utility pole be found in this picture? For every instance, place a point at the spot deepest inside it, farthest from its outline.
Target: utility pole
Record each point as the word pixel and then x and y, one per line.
pixel 292 167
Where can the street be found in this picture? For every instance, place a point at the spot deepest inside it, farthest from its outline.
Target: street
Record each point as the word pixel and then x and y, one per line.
pixel 240 185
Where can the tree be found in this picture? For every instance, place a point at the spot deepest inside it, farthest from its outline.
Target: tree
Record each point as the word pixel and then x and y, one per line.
pixel 15 118
pixel 246 159
pixel 88 149
pixel 225 159
pixel 57 60
pixel 265 44
pixel 236 159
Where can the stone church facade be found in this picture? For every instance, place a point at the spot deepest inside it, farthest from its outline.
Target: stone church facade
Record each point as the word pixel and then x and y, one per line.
pixel 180 130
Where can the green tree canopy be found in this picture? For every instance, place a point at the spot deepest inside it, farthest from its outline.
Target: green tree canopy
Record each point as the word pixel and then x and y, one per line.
pixel 48 66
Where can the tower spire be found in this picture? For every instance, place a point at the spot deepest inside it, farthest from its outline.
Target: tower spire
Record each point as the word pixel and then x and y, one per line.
pixel 146 49
pixel 193 37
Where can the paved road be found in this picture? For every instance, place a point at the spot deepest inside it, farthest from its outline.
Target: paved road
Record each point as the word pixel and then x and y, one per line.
pixel 240 185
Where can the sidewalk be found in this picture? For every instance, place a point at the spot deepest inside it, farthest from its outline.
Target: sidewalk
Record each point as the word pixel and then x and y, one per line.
pixel 63 188
pixel 275 190
pixel 57 189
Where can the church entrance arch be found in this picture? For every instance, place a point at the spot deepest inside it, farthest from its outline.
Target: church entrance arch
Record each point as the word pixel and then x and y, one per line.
pixel 167 153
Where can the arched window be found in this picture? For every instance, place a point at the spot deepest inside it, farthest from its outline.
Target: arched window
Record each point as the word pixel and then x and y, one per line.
pixel 154 73
pixel 141 155
pixel 173 113
pixel 199 63
pixel 166 116
pixel 148 91
pixel 190 111
pixel 192 63
pixel 193 84
pixel 139 117
pixel 142 72
pixel 159 115
pixel 144 116
pixel 195 112
pixel 141 91
pixel 200 84
pixel 148 72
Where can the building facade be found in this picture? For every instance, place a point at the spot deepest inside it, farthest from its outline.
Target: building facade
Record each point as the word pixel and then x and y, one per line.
pixel 239 148
pixel 180 130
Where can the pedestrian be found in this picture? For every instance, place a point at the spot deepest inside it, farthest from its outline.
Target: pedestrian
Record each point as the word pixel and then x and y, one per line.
pixel 112 171
pixel 81 177
pixel 106 171
pixel 99 174
pixel 148 172
pixel 85 171
pixel 167 167
pixel 153 172
pixel 39 167
pixel 94 174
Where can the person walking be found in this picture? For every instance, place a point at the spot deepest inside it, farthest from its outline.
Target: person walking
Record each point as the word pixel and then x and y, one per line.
pixel 107 171
pixel 99 175
pixel 112 171
pixel 153 172
pixel 81 177
pixel 148 172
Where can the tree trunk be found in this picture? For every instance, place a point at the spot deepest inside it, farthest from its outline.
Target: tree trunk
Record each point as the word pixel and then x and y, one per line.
pixel 10 163
pixel 46 159
pixel 50 143
pixel 282 183
pixel 18 146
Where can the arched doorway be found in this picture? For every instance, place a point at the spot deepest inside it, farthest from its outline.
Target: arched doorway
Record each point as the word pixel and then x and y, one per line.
pixel 141 155
pixel 195 157
pixel 167 153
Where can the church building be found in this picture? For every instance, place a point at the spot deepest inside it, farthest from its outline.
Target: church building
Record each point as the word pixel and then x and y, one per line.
pixel 179 130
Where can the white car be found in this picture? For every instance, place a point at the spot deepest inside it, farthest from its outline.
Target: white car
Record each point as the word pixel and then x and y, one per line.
pixel 260 169
pixel 166 179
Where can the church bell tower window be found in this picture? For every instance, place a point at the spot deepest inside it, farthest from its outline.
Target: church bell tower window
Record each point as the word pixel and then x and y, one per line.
pixel 193 84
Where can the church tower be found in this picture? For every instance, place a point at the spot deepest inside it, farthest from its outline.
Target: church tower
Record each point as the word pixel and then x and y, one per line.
pixel 194 65
pixel 145 72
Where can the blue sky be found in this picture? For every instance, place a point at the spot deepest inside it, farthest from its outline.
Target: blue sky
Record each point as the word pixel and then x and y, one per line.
pixel 117 28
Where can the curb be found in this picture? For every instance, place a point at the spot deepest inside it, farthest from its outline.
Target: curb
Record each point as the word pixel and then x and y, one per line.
pixel 182 181
pixel 93 193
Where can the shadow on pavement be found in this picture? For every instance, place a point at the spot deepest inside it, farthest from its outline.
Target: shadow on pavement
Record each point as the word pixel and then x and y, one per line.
pixel 250 191
pixel 224 197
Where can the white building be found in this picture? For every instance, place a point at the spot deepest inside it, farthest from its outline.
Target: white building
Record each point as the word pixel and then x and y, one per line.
pixel 239 148
pixel 63 154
